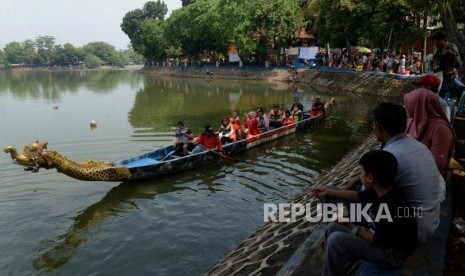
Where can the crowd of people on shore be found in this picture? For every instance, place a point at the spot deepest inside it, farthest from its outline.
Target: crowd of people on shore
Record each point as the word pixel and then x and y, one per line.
pixel 232 128
pixel 407 173
pixel 398 62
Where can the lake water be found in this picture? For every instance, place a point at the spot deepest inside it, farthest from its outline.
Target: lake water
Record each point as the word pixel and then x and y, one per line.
pixel 181 225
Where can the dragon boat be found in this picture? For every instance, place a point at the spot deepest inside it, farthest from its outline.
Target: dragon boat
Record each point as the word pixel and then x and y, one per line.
pixel 153 164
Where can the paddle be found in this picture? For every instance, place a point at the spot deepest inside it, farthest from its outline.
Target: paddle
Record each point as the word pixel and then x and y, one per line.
pixel 227 158
pixel 167 155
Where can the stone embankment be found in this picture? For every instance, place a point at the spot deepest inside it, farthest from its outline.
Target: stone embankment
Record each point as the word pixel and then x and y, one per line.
pixel 360 83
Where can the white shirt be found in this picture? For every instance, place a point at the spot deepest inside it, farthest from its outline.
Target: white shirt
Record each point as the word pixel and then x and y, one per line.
pixel 418 178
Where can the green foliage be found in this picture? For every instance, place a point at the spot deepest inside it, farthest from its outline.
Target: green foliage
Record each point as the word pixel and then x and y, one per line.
pixel 131 22
pixel 3 61
pixel 343 23
pixel 92 61
pixel 173 51
pixel 104 51
pixel 152 43
pixel 14 52
pixel 273 21
pixel 143 27
pixel 68 55
pixel 187 2
pixel 155 10
pixel 45 50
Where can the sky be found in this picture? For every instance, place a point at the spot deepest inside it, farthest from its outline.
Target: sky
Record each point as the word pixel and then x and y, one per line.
pixel 70 21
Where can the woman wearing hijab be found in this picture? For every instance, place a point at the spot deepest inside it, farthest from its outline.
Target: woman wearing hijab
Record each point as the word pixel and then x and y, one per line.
pixel 429 125
pixel 252 123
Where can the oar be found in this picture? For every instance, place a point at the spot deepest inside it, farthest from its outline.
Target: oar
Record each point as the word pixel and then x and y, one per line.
pixel 167 155
pixel 225 157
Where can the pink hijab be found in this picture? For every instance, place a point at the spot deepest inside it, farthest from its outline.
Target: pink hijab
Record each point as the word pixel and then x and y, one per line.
pixel 252 115
pixel 422 105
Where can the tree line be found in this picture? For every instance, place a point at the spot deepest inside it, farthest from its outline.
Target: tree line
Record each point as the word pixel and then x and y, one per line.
pixel 256 26
pixel 44 52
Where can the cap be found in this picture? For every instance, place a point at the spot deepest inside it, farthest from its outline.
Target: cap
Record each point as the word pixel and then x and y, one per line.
pixel 317 97
pixel 430 80
pixel 180 123
pixel 439 35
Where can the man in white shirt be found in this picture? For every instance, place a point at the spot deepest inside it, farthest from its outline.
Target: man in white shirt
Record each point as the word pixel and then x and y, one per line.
pixel 417 175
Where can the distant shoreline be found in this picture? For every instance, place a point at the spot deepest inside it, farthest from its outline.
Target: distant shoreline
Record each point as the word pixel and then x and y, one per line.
pixel 353 82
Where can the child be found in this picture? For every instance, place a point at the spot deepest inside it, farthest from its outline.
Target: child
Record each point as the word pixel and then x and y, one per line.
pixel 288 119
pixel 394 237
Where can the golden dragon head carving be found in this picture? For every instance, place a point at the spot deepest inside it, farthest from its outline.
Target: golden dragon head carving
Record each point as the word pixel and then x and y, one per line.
pixel 31 157
pixel 36 156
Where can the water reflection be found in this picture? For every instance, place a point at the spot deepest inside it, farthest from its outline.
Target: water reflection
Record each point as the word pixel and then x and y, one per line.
pixel 164 101
pixel 120 199
pixel 50 84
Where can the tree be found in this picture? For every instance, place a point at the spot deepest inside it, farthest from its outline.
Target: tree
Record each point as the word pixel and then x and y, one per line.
pixel 14 52
pixel 30 52
pixel 271 23
pixel 3 61
pixel 448 12
pixel 92 61
pixel 45 49
pixel 130 56
pixel 131 22
pixel 67 55
pixel 103 50
pixel 341 23
pixel 187 2
pixel 153 44
pixel 141 27
pixel 155 10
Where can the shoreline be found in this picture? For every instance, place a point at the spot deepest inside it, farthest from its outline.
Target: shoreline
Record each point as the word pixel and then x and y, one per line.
pixel 354 82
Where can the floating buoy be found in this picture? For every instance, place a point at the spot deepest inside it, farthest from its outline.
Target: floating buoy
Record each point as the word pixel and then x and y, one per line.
pixel 93 124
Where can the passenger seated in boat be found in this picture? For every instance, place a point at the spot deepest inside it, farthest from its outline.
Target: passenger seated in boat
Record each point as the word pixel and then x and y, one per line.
pixel 235 118
pixel 184 141
pixel 262 120
pixel 317 107
pixel 226 132
pixel 297 109
pixel 288 119
pixel 252 123
pixel 208 140
pixel 275 118
pixel 237 126
pixel 296 114
pixel 394 237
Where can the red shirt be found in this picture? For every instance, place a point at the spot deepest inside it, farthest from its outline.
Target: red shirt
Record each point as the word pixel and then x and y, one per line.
pixel 252 125
pixel 210 141
pixel 288 121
